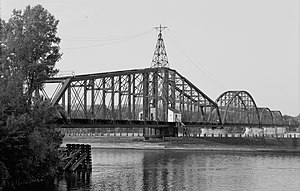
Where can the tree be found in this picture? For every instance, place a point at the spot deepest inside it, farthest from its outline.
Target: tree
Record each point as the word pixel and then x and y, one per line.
pixel 298 119
pixel 29 52
pixel 30 47
pixel 293 121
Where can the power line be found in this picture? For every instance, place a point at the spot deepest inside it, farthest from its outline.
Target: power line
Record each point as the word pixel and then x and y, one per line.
pixel 192 62
pixel 101 39
pixel 113 41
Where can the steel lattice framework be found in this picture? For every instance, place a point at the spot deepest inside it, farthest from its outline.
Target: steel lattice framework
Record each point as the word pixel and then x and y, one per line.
pixel 160 58
pixel 266 115
pixel 238 107
pixel 277 118
pixel 144 94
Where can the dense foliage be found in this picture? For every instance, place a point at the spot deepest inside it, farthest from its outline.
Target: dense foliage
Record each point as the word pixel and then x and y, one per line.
pixel 30 48
pixel 28 53
pixel 294 122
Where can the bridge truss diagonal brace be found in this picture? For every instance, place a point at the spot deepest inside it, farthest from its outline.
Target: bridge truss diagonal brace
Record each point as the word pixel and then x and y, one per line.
pixel 193 100
pixel 60 93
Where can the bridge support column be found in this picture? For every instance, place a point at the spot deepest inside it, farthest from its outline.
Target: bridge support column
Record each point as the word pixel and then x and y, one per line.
pixel 152 132
pixel 146 97
pixel 92 99
pixel 69 102
pixel 160 132
pixel 165 95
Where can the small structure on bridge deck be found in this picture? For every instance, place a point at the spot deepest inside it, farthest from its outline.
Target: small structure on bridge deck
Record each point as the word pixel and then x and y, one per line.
pixel 174 115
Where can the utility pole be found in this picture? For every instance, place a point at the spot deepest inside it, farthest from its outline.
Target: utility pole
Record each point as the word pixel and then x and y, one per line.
pixel 160 58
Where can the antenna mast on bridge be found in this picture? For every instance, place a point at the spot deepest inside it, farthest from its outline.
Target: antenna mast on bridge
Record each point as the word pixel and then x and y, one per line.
pixel 160 58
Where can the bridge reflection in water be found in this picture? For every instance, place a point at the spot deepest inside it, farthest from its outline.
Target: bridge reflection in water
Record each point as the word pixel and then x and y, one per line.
pixel 185 170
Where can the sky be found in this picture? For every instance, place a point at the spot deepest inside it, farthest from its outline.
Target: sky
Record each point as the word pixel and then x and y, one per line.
pixel 218 45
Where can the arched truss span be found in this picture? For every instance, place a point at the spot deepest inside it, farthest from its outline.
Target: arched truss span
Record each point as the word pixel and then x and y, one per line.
pixel 277 117
pixel 238 107
pixel 265 116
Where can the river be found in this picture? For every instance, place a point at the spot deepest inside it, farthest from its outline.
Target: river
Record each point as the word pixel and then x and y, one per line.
pixel 125 169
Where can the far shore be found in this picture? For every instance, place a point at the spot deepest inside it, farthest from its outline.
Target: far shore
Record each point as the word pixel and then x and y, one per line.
pixel 187 143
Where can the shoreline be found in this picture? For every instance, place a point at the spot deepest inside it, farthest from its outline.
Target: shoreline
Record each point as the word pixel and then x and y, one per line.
pixel 188 144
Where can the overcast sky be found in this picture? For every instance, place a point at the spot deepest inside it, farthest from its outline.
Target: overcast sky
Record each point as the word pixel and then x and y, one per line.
pixel 218 45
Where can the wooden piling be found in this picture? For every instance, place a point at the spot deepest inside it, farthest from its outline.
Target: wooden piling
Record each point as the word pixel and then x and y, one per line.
pixel 77 157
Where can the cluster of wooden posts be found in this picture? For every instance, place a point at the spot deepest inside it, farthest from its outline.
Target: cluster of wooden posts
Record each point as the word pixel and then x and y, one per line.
pixel 76 157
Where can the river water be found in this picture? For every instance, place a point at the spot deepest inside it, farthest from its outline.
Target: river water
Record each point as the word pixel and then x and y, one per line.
pixel 125 169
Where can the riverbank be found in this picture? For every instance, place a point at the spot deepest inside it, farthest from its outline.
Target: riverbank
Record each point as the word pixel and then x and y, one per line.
pixel 240 144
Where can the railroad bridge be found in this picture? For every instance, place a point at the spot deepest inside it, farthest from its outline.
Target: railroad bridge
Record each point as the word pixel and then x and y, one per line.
pixel 157 100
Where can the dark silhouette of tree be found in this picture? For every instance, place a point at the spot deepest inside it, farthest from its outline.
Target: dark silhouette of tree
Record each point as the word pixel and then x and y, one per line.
pixel 29 50
pixel 30 47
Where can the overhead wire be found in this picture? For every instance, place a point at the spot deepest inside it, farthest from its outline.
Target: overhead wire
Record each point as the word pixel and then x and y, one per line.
pixel 192 62
pixel 109 41
pixel 100 39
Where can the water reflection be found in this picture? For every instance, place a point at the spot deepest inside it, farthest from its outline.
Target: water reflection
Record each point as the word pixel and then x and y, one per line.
pixel 78 180
pixel 116 169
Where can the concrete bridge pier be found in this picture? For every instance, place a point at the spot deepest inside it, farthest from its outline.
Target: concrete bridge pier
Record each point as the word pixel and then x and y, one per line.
pixel 159 132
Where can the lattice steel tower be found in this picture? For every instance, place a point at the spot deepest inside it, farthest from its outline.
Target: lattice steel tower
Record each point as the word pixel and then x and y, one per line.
pixel 160 58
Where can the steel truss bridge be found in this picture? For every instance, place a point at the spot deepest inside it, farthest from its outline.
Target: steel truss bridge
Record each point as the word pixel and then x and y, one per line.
pixel 145 98
pixel 158 100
